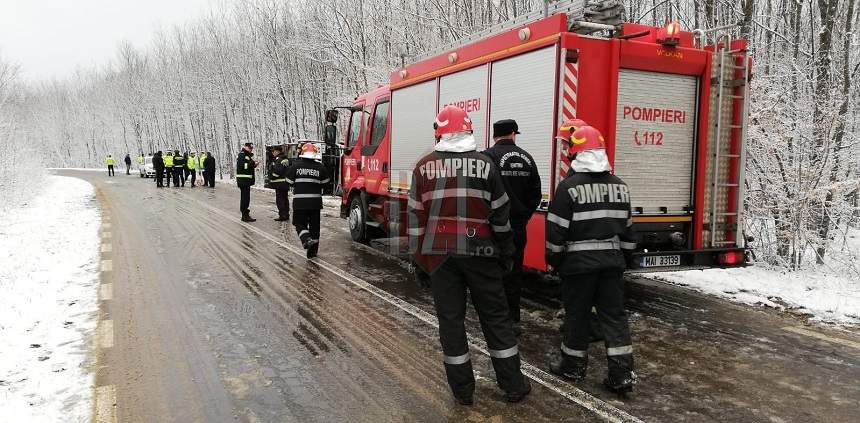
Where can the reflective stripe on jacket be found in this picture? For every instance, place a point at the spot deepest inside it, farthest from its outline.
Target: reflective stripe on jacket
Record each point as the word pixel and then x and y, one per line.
pixel 589 225
pixel 307 176
pixel 245 168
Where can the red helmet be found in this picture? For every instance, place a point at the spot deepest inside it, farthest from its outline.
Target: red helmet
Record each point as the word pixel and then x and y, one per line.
pixel 586 138
pixel 309 149
pixel 568 127
pixel 451 120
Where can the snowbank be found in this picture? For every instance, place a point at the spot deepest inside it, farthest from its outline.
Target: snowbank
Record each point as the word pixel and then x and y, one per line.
pixel 48 307
pixel 827 296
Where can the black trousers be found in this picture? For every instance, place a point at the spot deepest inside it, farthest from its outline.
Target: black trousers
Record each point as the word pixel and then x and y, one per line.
pixel 177 177
pixel 482 277
pixel 128 169
pixel 168 174
pixel 193 173
pixel 282 200
pixel 159 177
pixel 604 290
pixel 514 279
pixel 244 199
pixel 183 175
pixel 110 170
pixel 307 224
pixel 210 178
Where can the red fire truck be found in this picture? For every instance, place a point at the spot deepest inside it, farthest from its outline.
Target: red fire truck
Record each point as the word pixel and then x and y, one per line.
pixel 673 112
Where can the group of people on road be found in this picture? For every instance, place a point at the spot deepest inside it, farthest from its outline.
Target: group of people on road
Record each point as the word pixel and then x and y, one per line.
pixel 468 212
pixel 306 175
pixel 183 167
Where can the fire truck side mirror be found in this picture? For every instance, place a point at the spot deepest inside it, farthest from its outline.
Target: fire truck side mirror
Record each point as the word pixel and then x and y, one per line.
pixel 330 135
pixel 331 116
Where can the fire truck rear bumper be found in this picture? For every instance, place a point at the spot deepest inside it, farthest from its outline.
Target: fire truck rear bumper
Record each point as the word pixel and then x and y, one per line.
pixel 690 259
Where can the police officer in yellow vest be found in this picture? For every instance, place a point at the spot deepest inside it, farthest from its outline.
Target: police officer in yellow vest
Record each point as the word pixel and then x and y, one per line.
pixel 168 167
pixel 192 168
pixel 109 161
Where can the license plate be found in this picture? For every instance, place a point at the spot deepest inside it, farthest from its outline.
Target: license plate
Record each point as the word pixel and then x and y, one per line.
pixel 659 261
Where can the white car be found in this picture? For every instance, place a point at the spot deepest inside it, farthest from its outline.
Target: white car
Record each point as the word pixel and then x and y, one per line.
pixel 146 169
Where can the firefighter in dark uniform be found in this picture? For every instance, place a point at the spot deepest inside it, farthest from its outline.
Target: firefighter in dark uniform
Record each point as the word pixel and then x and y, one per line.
pixel 460 234
pixel 589 239
pixel 245 165
pixel 178 169
pixel 522 184
pixel 307 176
pixel 278 182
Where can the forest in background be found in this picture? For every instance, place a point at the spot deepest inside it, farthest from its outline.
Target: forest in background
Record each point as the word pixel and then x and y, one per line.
pixel 264 71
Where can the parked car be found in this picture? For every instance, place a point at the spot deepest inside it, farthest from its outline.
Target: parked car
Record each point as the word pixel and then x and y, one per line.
pixel 146 169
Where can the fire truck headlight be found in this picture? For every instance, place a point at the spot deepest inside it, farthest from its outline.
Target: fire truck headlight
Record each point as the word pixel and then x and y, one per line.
pixel 678 239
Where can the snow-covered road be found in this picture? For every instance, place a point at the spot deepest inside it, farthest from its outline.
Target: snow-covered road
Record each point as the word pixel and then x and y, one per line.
pixel 48 302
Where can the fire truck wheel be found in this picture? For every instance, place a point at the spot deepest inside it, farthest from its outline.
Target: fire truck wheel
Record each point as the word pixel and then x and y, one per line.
pixel 357 220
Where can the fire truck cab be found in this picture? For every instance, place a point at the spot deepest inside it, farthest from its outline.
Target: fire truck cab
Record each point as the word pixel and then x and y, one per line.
pixel 673 113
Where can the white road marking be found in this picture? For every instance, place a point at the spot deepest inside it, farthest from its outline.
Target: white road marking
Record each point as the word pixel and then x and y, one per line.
pixel 597 406
pixel 107 265
pixel 106 234
pixel 106 248
pixel 105 404
pixel 104 336
pixel 106 292
pixel 821 336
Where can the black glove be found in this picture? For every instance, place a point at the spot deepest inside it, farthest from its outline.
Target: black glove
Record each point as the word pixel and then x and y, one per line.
pixel 507 263
pixel 422 278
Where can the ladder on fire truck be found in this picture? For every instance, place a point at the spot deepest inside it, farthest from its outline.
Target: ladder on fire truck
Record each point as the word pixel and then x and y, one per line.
pixel 731 63
pixel 583 16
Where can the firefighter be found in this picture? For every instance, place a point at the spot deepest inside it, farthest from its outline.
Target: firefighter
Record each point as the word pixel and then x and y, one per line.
pixel 158 164
pixel 127 164
pixel 460 234
pixel 192 168
pixel 208 162
pixel 109 161
pixel 178 169
pixel 168 167
pixel 278 182
pixel 307 176
pixel 522 184
pixel 589 239
pixel 245 165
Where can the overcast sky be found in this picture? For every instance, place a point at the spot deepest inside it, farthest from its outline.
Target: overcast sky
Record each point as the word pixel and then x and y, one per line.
pixel 50 38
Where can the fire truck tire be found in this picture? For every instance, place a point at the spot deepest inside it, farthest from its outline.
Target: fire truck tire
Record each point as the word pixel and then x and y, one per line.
pixel 357 219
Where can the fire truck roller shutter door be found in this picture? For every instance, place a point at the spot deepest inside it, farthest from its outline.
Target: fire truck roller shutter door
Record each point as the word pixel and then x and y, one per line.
pixel 523 89
pixel 412 112
pixel 655 138
pixel 468 90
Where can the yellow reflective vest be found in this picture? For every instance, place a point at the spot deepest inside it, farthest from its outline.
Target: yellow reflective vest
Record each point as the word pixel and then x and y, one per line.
pixel 168 161
pixel 192 163
pixel 140 159
pixel 110 161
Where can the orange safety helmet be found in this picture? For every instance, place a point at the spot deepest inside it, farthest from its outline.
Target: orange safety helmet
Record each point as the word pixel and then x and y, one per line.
pixel 451 120
pixel 580 136
pixel 310 150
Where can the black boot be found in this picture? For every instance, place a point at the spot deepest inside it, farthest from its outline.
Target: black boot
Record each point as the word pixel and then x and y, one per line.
pixel 519 394
pixel 570 368
pixel 246 217
pixel 620 384
pixel 313 245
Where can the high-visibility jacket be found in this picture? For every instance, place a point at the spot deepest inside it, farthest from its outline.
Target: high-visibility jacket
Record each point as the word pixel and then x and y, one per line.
pixel 278 173
pixel 140 159
pixel 168 161
pixel 192 163
pixel 110 161
pixel 307 176
pixel 458 207
pixel 202 162
pixel 589 225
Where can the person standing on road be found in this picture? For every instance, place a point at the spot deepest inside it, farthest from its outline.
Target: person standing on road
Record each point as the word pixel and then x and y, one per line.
pixel 589 240
pixel 168 167
pixel 127 164
pixel 192 168
pixel 158 164
pixel 208 162
pixel 141 160
pixel 460 234
pixel 278 182
pixel 245 165
pixel 178 169
pixel 110 162
pixel 522 184
pixel 307 176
